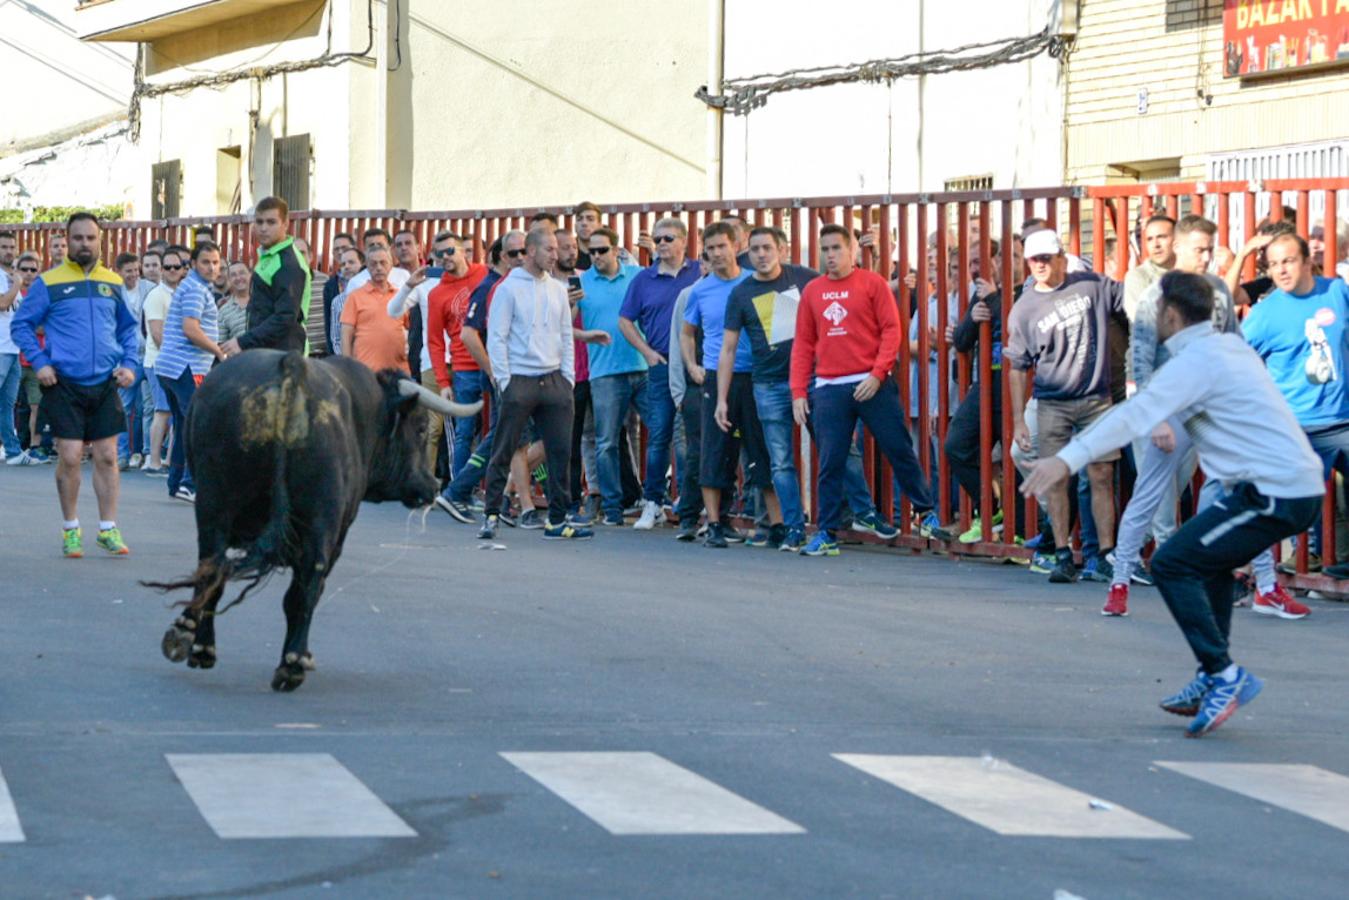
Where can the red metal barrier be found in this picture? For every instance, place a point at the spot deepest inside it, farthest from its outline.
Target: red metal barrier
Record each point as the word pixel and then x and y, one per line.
pixel 907 225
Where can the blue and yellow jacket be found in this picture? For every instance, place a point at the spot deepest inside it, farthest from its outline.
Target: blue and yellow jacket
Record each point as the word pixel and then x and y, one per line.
pixel 90 331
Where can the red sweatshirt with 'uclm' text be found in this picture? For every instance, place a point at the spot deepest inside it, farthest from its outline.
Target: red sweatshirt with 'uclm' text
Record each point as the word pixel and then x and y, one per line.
pixel 846 326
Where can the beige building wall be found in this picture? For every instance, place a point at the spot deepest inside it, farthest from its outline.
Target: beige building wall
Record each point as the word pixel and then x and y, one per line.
pixel 1174 51
pixel 200 126
pixel 508 102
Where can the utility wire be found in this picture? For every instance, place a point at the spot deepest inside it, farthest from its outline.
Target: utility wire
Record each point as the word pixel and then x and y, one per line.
pixel 741 95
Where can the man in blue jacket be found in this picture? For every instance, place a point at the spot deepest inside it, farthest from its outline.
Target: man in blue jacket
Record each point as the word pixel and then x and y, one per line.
pixel 90 353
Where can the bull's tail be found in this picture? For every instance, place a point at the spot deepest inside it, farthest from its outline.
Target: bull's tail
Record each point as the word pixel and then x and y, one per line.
pixel 275 545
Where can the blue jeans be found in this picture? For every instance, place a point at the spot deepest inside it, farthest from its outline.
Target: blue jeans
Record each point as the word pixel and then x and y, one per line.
pixel 774 402
pixel 131 402
pixel 467 389
pixel 1091 542
pixel 836 413
pixel 658 411
pixel 460 488
pixel 180 391
pixel 612 396
pixel 10 375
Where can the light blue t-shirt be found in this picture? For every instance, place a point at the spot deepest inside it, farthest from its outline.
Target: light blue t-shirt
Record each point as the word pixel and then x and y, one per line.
pixel 192 300
pixel 599 312
pixel 1301 339
pixel 706 309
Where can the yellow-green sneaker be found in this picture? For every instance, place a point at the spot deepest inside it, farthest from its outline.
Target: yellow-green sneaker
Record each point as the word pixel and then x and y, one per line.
pixel 71 545
pixel 110 539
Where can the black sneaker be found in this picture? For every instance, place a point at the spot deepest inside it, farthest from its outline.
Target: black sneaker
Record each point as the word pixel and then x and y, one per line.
pixel 777 534
pixel 1064 572
pixel 508 518
pixel 460 512
pixel 489 528
pixel 732 534
pixel 688 531
pixel 531 519
pixel 716 536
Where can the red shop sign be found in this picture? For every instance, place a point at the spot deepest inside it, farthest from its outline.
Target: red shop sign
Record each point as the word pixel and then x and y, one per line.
pixel 1266 37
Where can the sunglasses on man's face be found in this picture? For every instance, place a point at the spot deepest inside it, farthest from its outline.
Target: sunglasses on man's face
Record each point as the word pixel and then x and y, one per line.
pixel 664 239
pixel 172 268
pixel 446 252
pixel 515 253
pixel 600 251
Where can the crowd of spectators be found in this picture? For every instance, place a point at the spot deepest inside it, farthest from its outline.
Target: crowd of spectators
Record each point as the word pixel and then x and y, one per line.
pixel 676 392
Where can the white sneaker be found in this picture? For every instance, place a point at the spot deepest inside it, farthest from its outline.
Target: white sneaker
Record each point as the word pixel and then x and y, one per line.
pixel 22 459
pixel 186 494
pixel 652 515
pixel 135 461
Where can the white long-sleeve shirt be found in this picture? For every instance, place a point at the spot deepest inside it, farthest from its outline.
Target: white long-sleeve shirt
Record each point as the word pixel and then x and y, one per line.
pixel 420 296
pixel 1238 419
pixel 529 328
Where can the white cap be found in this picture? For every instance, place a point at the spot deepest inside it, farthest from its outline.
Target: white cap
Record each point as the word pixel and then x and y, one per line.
pixel 1042 243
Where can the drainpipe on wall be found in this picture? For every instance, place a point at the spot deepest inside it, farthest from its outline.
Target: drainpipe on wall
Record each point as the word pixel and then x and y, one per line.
pixel 380 177
pixel 716 53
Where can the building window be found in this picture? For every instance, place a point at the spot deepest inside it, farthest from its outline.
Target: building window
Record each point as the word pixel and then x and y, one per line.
pixel 166 189
pixel 290 170
pixel 970 183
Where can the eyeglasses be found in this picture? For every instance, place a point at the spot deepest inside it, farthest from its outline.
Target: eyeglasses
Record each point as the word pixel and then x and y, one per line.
pixel 447 252
pixel 515 253
pixel 168 268
pixel 664 239
pixel 1043 259
pixel 600 251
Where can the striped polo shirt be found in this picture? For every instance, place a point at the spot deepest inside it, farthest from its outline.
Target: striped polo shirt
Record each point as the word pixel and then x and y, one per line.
pixel 192 300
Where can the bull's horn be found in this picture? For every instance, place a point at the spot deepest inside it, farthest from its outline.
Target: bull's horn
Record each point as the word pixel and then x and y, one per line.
pixel 436 403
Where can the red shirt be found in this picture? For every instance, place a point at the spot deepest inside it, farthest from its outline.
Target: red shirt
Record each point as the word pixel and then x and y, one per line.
pixel 847 326
pixel 446 306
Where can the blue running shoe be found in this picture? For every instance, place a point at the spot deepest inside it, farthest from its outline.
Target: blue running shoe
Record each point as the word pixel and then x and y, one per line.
pixel 1034 543
pixel 823 544
pixel 1185 702
pixel 871 523
pixel 1222 699
pixel 929 526
pixel 1042 563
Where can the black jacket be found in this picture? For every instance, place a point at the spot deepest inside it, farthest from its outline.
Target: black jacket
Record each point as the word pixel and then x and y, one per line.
pixel 279 300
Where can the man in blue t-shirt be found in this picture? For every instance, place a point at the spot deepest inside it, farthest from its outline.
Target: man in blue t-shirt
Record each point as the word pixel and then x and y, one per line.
pixel 618 379
pixel 706 309
pixel 1299 331
pixel 645 320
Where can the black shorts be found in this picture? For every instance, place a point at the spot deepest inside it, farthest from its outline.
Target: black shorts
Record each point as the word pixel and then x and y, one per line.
pixel 721 449
pixel 80 412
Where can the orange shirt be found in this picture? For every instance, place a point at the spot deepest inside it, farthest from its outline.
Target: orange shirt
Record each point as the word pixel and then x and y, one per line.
pixel 380 340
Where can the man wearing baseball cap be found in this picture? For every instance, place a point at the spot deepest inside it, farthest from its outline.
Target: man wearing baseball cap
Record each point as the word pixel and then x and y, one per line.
pixel 1060 327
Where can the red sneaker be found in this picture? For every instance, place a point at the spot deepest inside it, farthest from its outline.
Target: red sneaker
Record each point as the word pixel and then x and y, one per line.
pixel 1117 604
pixel 1278 603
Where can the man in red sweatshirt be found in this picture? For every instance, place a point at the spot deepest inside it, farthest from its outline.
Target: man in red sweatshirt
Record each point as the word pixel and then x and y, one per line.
pixel 847 342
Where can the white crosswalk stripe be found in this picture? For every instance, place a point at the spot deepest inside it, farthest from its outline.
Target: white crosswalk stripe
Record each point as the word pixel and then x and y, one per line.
pixel 1306 790
pixel 1006 799
pixel 642 793
pixel 283 795
pixel 11 832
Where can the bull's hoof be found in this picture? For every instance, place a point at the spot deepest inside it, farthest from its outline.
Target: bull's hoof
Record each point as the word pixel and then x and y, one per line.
pixel 201 657
pixel 289 675
pixel 307 660
pixel 177 644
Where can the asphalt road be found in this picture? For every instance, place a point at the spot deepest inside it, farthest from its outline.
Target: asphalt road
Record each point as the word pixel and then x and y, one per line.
pixel 666 695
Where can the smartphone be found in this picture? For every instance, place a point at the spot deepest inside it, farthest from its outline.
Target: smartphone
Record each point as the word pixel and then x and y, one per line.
pixel 574 282
pixel 435 271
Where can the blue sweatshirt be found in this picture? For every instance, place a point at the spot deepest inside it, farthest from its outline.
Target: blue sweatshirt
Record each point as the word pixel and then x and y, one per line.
pixel 90 331
pixel 1301 338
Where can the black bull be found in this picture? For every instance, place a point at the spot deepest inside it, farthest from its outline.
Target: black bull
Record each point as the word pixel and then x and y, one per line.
pixel 283 451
